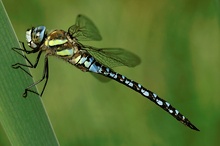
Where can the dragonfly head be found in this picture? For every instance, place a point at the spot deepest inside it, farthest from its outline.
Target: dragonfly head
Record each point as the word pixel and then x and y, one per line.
pixel 35 36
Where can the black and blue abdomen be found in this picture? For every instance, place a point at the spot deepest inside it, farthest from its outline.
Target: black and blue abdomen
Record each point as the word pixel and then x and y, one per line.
pixel 87 63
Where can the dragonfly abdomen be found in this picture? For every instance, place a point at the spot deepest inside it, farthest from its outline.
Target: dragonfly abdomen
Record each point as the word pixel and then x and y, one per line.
pixel 146 93
pixel 88 63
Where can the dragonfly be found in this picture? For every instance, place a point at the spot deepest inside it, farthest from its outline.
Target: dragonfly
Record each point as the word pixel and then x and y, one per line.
pixel 66 45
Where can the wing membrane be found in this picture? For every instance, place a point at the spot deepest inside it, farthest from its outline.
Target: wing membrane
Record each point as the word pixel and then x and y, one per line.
pixel 113 57
pixel 84 29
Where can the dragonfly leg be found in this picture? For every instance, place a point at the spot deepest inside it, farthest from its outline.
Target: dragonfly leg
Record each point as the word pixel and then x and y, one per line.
pixel 44 76
pixel 29 65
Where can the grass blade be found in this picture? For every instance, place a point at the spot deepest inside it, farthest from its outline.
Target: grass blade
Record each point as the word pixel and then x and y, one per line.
pixel 24 120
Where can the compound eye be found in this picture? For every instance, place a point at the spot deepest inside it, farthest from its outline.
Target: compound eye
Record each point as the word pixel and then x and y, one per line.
pixel 38 34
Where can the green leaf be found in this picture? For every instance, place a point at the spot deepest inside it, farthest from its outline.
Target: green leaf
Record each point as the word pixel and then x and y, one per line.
pixel 25 121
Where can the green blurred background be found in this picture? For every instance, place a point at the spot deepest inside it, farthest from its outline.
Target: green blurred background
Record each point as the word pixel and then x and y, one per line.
pixel 178 43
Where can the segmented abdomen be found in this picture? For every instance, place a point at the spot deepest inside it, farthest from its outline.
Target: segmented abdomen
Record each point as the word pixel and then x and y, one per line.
pixel 88 63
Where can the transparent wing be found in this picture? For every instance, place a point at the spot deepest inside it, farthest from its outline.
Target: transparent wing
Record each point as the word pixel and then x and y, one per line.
pixel 84 29
pixel 100 78
pixel 113 57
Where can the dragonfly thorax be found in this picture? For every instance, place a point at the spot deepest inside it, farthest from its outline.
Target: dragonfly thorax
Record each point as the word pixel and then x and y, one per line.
pixel 35 36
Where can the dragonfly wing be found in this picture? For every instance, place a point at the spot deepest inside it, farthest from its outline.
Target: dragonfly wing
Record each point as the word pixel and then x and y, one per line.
pixel 84 29
pixel 101 78
pixel 113 57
